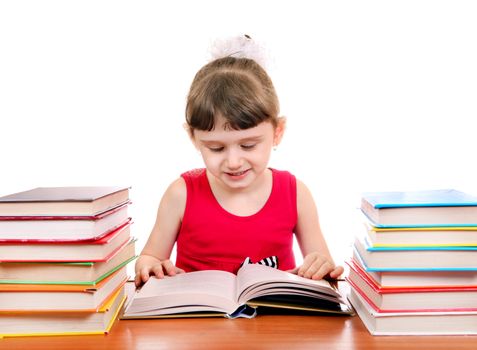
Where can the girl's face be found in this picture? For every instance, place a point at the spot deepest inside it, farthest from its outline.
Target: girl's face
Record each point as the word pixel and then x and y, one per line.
pixel 237 158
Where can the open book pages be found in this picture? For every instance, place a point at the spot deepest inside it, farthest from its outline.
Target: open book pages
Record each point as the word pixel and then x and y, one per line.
pixel 222 292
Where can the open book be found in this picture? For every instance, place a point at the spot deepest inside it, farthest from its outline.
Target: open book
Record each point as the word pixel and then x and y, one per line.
pixel 212 292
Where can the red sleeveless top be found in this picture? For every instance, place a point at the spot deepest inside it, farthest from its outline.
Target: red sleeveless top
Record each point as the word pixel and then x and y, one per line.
pixel 211 238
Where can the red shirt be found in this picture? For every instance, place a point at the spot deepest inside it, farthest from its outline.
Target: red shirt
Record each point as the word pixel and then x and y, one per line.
pixel 211 238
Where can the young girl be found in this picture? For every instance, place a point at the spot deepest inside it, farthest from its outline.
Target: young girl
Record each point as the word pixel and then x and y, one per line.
pixel 237 207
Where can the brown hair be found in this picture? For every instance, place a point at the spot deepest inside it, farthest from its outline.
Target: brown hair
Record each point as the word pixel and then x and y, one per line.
pixel 237 89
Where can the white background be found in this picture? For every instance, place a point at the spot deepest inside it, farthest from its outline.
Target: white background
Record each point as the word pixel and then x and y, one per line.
pixel 379 95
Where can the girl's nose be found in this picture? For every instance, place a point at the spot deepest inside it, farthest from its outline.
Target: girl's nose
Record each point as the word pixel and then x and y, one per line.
pixel 234 160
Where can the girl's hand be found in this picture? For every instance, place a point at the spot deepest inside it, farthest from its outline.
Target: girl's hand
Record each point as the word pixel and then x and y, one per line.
pixel 147 266
pixel 316 266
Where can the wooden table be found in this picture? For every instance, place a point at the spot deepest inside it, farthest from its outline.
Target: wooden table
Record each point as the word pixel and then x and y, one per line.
pixel 263 332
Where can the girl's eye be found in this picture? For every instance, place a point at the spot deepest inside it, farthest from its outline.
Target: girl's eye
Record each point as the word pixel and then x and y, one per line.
pixel 248 146
pixel 216 149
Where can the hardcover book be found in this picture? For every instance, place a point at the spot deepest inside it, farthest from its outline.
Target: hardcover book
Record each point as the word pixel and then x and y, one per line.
pixel 416 279
pixel 34 324
pixel 63 201
pixel 407 299
pixel 420 208
pixel 414 323
pixel 223 293
pixel 421 236
pixel 417 258
pixel 72 228
pixel 71 251
pixel 48 297
pixel 85 273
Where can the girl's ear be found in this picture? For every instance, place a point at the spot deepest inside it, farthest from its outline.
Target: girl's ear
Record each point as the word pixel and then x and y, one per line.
pixel 279 131
pixel 190 132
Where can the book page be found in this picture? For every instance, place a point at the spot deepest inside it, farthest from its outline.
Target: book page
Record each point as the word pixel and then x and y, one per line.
pixel 275 289
pixel 208 290
pixel 254 276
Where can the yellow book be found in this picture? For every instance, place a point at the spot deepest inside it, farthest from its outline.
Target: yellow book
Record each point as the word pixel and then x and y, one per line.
pixel 14 324
pixel 421 236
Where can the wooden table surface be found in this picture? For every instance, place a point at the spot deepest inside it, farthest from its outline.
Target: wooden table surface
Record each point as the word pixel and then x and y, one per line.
pixel 262 332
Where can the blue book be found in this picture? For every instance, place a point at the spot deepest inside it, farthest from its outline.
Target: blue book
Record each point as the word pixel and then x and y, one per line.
pixel 433 208
pixel 416 278
pixel 414 260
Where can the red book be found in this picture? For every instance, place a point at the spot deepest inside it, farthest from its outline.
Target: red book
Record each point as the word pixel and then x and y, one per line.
pixel 62 228
pixel 73 251
pixel 430 299
pixel 87 273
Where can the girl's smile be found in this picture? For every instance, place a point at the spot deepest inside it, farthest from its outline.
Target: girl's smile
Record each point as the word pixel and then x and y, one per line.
pixel 237 176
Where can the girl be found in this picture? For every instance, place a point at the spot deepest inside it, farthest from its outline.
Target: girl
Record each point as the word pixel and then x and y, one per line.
pixel 237 207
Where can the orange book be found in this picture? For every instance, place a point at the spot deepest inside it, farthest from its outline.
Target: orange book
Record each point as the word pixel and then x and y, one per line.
pixel 14 324
pixel 47 297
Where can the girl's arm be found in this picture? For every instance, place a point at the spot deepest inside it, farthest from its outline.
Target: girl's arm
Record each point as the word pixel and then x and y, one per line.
pixel 154 258
pixel 317 262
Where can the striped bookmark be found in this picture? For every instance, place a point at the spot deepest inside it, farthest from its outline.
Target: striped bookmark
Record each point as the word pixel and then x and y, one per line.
pixel 271 261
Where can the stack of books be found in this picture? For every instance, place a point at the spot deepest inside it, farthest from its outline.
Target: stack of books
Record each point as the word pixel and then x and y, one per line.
pixel 63 257
pixel 414 267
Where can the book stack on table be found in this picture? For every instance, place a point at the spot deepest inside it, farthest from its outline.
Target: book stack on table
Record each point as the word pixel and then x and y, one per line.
pixel 63 257
pixel 414 267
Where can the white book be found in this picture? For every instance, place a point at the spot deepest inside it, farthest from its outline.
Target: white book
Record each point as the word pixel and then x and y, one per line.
pixel 447 207
pixel 414 323
pixel 401 258
pixel 63 228
pixel 424 278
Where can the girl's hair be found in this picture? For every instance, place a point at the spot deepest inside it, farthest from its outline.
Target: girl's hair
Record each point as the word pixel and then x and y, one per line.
pixel 238 89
